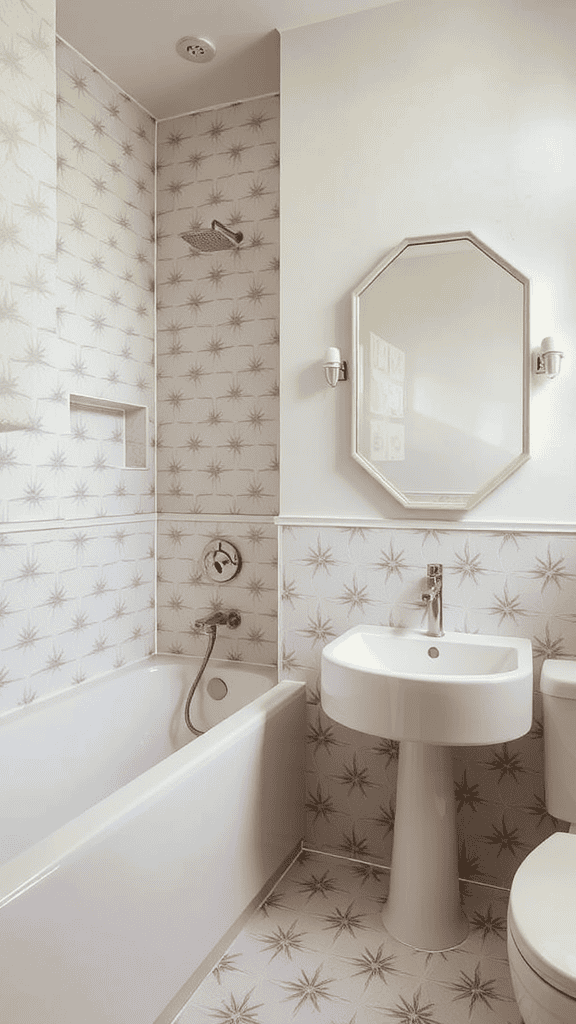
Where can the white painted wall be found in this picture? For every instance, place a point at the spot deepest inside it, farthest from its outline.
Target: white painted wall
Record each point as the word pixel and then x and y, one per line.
pixel 421 118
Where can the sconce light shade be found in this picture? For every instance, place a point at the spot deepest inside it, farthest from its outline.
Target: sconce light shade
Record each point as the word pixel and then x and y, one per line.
pixel 335 367
pixel 548 358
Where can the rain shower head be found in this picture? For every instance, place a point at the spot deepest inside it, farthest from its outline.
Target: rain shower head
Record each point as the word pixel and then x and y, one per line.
pixel 213 239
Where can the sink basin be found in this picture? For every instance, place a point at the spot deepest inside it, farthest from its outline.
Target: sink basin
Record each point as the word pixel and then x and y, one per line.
pixel 456 689
pixel 430 693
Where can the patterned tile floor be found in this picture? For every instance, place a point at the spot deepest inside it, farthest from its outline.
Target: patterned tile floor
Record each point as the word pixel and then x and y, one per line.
pixel 316 953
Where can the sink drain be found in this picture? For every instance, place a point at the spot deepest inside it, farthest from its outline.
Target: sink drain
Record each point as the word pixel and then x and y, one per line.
pixel 433 652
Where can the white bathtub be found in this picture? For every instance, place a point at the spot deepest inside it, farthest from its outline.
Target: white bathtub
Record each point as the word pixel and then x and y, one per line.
pixel 132 852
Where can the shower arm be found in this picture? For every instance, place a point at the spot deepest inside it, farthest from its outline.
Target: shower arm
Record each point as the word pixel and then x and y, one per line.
pixel 234 236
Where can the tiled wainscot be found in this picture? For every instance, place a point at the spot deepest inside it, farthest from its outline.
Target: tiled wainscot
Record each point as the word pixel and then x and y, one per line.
pixel 501 582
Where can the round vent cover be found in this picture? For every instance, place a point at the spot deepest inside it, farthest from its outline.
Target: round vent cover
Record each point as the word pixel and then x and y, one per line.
pixel 195 49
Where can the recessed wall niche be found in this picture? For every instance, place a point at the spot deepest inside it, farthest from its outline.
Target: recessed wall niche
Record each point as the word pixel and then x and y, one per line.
pixel 118 426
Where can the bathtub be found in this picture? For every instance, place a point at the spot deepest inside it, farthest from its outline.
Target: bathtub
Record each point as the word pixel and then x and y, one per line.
pixel 132 852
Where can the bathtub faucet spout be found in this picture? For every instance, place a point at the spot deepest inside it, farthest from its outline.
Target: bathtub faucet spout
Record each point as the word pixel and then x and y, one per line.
pixel 231 619
pixel 208 625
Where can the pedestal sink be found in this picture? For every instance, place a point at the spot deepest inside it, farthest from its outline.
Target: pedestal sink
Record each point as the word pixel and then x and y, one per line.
pixel 430 693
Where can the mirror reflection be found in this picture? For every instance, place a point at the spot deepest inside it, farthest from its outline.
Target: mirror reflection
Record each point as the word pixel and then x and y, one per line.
pixel 441 367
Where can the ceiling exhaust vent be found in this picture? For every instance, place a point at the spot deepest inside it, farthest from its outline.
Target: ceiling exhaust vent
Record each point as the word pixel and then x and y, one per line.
pixel 193 48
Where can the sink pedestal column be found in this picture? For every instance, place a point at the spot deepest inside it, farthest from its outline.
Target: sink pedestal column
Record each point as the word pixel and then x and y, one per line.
pixel 423 908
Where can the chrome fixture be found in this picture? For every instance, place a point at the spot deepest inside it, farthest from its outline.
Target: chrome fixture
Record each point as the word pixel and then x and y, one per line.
pixel 213 239
pixel 217 688
pixel 432 597
pixel 335 367
pixel 196 49
pixel 208 625
pixel 547 358
pixel 221 560
pixel 232 619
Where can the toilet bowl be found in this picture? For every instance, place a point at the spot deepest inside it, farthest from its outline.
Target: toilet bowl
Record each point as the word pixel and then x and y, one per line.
pixel 542 905
pixel 542 932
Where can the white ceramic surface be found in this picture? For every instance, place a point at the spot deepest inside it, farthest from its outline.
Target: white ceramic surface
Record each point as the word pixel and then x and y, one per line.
pixel 429 693
pixel 538 1002
pixel 541 935
pixel 541 915
pixel 109 916
pixel 423 907
pixel 457 689
pixel 61 755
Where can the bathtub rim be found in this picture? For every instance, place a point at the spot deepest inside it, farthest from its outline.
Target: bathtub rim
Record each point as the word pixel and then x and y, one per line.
pixel 150 663
pixel 28 868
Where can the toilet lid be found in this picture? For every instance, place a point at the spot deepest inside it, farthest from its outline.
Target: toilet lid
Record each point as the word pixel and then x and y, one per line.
pixel 542 911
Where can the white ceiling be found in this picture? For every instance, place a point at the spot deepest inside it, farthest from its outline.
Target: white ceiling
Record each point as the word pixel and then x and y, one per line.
pixel 133 42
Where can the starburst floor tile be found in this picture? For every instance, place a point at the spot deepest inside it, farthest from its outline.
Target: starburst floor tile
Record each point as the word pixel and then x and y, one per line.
pixel 316 953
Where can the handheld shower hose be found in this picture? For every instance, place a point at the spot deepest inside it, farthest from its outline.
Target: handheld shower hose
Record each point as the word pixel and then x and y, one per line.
pixel 209 626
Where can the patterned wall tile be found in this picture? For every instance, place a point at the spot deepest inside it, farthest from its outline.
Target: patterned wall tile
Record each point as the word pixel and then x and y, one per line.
pixel 220 371
pixel 101 284
pixel 73 603
pixel 218 374
pixel 218 313
pixel 27 247
pixel 500 583
pixel 105 280
pixel 185 593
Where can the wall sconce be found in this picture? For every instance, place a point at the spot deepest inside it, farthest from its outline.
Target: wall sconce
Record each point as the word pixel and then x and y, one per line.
pixel 335 367
pixel 547 358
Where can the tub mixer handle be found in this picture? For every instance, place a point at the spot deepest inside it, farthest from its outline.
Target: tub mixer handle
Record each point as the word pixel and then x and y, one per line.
pixel 208 625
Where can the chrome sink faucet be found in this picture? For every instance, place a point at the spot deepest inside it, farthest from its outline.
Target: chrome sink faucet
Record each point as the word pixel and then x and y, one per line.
pixel 432 597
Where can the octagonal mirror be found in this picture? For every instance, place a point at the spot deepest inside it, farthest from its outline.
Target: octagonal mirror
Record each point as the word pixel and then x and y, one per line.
pixel 441 371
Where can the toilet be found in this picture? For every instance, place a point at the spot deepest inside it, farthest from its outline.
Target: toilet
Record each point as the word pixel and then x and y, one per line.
pixel 542 906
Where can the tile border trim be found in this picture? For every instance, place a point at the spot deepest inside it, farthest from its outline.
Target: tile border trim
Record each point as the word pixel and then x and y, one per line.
pixel 41 525
pixel 209 517
pixel 431 525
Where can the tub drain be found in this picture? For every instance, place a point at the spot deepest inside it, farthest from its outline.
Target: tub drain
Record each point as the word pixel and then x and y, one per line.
pixel 217 688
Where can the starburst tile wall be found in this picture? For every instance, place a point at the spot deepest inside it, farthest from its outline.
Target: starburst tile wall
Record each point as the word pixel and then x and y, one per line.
pixel 27 246
pixel 509 584
pixel 105 281
pixel 185 593
pixel 218 374
pixel 218 313
pixel 76 594
pixel 104 345
pixel 73 603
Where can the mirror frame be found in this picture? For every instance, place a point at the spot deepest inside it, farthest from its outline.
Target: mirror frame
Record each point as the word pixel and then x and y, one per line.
pixel 446 501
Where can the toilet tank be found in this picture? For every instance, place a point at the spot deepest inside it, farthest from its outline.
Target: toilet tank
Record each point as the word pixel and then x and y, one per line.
pixel 558 686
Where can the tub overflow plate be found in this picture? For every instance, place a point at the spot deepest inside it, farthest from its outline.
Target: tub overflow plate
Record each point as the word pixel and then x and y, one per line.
pixel 217 688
